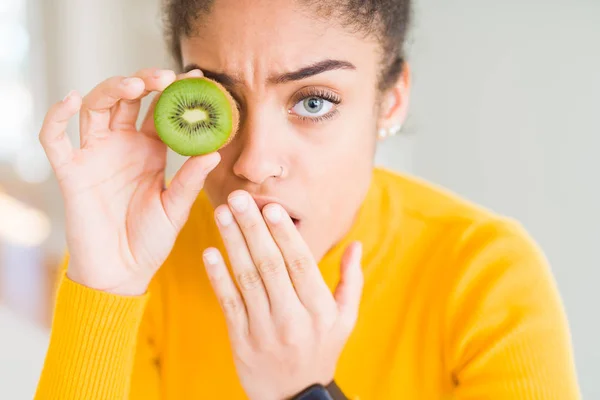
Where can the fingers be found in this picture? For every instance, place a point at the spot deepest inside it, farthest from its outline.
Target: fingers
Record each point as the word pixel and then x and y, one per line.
pixel 227 294
pixel 303 270
pixel 97 105
pixel 53 136
pixel 190 74
pixel 242 265
pixel 348 292
pixel 126 111
pixel 187 183
pixel 147 126
pixel 115 103
pixel 264 251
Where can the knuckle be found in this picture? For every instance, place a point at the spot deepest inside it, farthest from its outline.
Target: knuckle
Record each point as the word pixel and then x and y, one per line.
pixel 299 264
pixel 293 329
pixel 111 90
pixel 42 136
pixel 249 279
pixel 106 88
pixel 50 119
pixel 59 136
pixel 323 322
pixel 52 112
pixel 231 306
pixel 129 102
pixel 269 266
pixel 290 338
pixel 264 344
pixel 109 84
pixel 289 332
pixel 113 82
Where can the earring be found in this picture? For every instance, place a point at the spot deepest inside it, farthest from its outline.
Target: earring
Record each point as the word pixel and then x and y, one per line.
pixel 394 130
pixel 386 132
pixel 382 133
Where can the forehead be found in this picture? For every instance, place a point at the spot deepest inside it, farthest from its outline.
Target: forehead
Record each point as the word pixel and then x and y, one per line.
pixel 272 36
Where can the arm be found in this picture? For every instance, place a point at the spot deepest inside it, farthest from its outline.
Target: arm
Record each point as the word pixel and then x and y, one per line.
pixel 101 346
pixel 121 224
pixel 509 337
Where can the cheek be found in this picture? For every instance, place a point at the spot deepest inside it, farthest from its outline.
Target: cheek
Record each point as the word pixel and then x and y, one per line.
pixel 352 140
pixel 344 157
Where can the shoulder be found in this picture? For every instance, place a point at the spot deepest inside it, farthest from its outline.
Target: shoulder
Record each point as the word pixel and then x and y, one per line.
pixel 428 201
pixel 502 313
pixel 478 251
pixel 437 210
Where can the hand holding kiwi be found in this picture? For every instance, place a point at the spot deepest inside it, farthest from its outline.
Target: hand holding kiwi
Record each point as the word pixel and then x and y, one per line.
pixel 121 222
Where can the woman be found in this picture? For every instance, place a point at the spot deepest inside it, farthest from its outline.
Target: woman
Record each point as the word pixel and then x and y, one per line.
pixel 285 265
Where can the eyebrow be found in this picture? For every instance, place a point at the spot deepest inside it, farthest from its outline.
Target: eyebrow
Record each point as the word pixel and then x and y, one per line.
pixel 312 70
pixel 303 73
pixel 223 79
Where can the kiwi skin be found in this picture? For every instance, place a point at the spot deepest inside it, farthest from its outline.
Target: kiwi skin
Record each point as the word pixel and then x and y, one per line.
pixel 235 118
pixel 235 113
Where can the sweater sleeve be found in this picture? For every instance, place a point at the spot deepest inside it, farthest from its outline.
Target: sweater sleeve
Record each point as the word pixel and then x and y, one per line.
pixel 100 347
pixel 508 333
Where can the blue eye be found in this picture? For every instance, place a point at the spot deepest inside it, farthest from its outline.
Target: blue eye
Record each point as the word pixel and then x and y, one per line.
pixel 313 107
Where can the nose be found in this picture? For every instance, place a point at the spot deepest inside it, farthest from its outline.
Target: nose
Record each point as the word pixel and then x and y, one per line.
pixel 259 156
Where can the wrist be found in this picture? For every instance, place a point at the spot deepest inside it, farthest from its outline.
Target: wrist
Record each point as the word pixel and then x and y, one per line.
pixel 130 289
pixel 134 288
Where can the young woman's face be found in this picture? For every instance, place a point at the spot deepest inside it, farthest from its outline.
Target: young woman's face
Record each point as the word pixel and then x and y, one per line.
pixel 307 93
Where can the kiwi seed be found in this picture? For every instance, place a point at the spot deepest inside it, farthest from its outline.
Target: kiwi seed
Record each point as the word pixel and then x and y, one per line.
pixel 195 116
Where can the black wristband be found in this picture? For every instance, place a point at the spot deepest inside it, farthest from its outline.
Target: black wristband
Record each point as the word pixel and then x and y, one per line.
pixel 320 392
pixel 335 392
pixel 313 392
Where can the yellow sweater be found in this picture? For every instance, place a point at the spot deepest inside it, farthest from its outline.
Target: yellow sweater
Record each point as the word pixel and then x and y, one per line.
pixel 458 303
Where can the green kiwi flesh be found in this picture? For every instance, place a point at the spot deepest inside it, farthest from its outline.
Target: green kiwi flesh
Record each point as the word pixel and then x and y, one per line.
pixel 195 116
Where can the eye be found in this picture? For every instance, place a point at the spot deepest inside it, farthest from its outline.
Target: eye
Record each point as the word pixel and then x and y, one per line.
pixel 313 106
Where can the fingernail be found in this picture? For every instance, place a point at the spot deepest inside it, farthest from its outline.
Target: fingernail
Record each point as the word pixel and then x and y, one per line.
pixel 273 213
pixel 225 218
pixel 211 257
pixel 127 81
pixel 239 202
pixel 212 164
pixel 68 96
pixel 195 72
pixel 157 73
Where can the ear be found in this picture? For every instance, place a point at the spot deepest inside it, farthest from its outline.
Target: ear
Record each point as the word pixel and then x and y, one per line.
pixel 394 105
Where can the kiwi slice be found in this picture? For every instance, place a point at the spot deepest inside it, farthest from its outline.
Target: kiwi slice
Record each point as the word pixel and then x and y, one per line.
pixel 195 116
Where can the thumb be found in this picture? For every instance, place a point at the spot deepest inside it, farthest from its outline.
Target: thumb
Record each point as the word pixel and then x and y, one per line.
pixel 187 183
pixel 349 290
